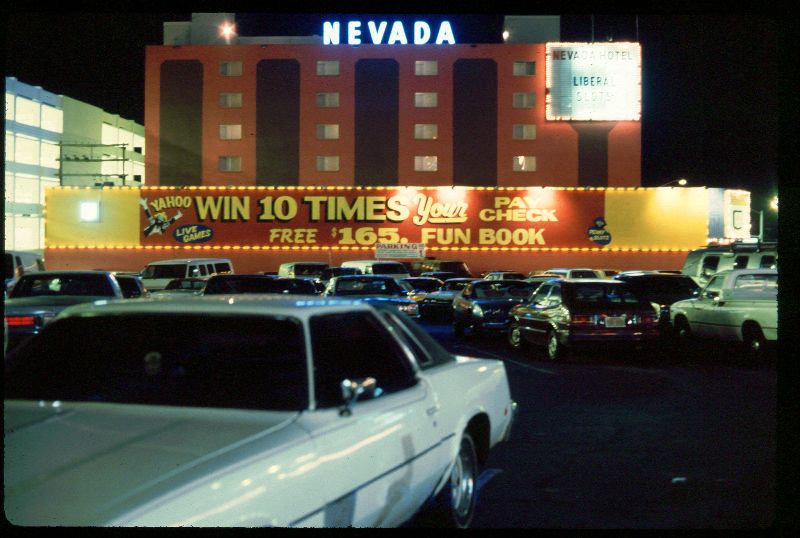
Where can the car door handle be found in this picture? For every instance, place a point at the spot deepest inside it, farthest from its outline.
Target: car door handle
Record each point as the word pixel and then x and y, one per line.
pixel 432 410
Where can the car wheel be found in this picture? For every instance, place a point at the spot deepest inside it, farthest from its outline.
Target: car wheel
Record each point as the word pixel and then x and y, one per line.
pixel 515 338
pixel 683 333
pixel 754 341
pixel 555 350
pixel 454 506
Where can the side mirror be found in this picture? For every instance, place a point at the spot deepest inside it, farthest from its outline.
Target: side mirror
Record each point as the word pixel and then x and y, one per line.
pixel 353 390
pixel 712 294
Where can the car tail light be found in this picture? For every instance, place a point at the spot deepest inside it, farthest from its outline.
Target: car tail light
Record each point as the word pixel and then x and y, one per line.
pixel 21 321
pixel 583 320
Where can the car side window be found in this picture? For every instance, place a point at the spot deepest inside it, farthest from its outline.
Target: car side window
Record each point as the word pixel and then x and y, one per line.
pixel 541 294
pixel 713 288
pixel 355 345
pixel 767 262
pixel 555 296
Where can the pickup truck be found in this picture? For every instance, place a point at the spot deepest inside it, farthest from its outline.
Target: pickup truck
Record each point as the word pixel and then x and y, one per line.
pixel 739 305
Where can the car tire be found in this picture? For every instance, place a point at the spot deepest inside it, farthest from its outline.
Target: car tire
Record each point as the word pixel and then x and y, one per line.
pixel 515 338
pixel 682 330
pixel 754 342
pixel 554 348
pixel 454 505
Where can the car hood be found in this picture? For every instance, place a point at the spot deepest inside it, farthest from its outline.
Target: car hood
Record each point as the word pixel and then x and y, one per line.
pixel 506 303
pixel 85 464
pixel 54 303
pixel 442 295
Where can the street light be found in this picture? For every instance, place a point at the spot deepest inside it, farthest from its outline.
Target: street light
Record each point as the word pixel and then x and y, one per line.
pixel 682 182
pixel 773 205
pixel 227 30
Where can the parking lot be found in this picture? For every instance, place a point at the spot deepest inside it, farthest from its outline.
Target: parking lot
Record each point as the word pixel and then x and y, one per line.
pixel 668 440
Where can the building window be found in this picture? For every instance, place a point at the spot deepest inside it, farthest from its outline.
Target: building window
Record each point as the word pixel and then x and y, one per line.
pixel 26 150
pixel 524 163
pixel 328 100
pixel 426 99
pixel 328 131
pixel 426 163
pixel 327 163
pixel 328 68
pixel 27 112
pixel 230 132
pixel 52 119
pixel 50 155
pixel 524 99
pixel 138 144
pixel 26 189
pixel 231 69
pixel 230 100
pixel 230 163
pixel 426 68
pixel 522 69
pixel 524 131
pixel 426 131
pixel 109 134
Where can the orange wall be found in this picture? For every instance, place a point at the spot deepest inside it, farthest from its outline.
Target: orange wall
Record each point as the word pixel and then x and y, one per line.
pixel 555 146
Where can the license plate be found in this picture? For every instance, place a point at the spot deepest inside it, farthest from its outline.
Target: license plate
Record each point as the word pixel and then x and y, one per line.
pixel 615 322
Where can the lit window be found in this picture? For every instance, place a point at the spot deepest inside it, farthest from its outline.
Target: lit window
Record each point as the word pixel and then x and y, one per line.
pixel 109 134
pixel 524 131
pixel 328 100
pixel 522 69
pixel 426 99
pixel 9 146
pixel 524 100
pixel 50 155
pixel 426 131
pixel 327 163
pixel 230 163
pixel 328 67
pixel 328 131
pixel 426 163
pixel 230 132
pixel 426 68
pixel 230 69
pixel 230 100
pixel 26 150
pixel 52 119
pixel 27 112
pixel 524 163
pixel 90 212
pixel 26 189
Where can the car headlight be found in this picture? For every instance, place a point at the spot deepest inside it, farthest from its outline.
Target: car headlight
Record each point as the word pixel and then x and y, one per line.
pixel 477 311
pixel 409 308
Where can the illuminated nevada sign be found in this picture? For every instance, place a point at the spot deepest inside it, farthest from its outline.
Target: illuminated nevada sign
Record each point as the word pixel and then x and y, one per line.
pixel 382 32
pixel 594 81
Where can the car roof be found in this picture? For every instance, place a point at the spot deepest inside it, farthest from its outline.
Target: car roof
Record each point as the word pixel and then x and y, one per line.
pixel 189 260
pixel 68 272
pixel 297 306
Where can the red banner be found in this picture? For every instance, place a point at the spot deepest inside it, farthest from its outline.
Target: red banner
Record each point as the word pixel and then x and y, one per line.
pixel 328 217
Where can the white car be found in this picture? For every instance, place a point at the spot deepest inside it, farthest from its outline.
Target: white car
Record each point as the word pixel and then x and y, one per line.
pixel 246 411
pixel 735 306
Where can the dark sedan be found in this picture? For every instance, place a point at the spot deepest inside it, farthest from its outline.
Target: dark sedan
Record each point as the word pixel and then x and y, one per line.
pixel 567 313
pixel 485 305
pixel 245 283
pixel 438 305
pixel 37 298
pixel 661 289
pixel 374 289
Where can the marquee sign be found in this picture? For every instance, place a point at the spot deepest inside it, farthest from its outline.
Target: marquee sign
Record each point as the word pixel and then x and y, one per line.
pixel 327 218
pixel 593 81
pixel 381 32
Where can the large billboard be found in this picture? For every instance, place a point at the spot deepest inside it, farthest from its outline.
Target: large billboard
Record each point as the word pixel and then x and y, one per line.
pixel 593 82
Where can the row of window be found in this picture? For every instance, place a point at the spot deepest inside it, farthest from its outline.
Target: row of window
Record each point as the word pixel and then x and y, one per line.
pixel 421 100
pixel 27 112
pixel 422 68
pixel 422 163
pixel 422 131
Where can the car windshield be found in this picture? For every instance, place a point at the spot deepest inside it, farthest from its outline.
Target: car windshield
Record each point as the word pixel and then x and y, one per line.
pixel 455 285
pixel 178 359
pixel 294 286
pixel 39 284
pixel 308 270
pixel 604 294
pixel 184 284
pixel 367 286
pixel 164 271
pixel 389 269
pixel 502 290
pixel 423 284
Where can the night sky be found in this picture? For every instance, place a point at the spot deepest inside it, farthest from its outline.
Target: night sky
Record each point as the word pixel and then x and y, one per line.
pixel 710 81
